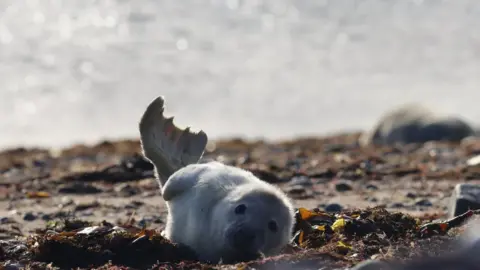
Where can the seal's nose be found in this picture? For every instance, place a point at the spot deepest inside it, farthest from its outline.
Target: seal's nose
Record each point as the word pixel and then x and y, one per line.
pixel 244 238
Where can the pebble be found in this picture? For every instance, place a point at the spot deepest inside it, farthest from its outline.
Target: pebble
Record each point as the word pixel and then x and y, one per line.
pixel 39 163
pixel 333 207
pixel 423 202
pixel 127 190
pixel 301 180
pixel 343 185
pixel 411 195
pixel 79 188
pixel 396 205
pixel 266 176
pixel 86 205
pixel 6 220
pixel 149 220
pixel 137 162
pixel 66 201
pixel 296 190
pixel 134 205
pixel 371 187
pixel 29 216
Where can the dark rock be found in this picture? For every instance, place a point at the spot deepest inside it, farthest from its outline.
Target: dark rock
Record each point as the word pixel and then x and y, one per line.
pixel 333 207
pixel 266 176
pixel 137 163
pixel 371 187
pixel 134 205
pixel 149 220
pixel 127 190
pixel 296 190
pixel 62 215
pixel 464 197
pixel 86 205
pixel 39 163
pixel 423 202
pixel 411 195
pixel 29 216
pixel 343 185
pixel 79 188
pixel 7 220
pixel 299 192
pixel 130 169
pixel 396 205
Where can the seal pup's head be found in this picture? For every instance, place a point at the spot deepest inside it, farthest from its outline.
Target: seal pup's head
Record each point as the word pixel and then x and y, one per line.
pixel 258 219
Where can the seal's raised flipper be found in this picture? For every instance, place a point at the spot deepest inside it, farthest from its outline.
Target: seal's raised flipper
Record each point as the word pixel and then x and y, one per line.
pixel 168 147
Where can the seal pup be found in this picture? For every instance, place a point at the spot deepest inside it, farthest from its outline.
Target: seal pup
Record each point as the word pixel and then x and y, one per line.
pixel 415 123
pixel 221 212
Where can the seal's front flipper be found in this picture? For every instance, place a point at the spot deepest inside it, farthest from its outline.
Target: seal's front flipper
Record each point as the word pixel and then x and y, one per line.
pixel 168 147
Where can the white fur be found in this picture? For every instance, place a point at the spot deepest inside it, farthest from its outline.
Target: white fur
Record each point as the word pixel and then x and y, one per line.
pixel 201 198
pixel 193 195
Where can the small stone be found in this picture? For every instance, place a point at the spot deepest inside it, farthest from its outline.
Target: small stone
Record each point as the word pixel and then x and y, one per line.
pixel 333 207
pixel 29 216
pixel 322 205
pixel 343 185
pixel 371 187
pixel 7 220
pixel 79 188
pixel 411 195
pixel 266 176
pixel 397 205
pixel 137 163
pixel 65 201
pixel 149 220
pixel 134 205
pixel 464 197
pixel 423 202
pixel 296 190
pixel 127 190
pixel 301 180
pixel 86 205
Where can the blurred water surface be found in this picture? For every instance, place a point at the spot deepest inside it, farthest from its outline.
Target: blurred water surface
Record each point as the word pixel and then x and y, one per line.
pixel 80 71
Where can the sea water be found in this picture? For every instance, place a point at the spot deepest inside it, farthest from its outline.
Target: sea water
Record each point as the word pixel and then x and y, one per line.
pixel 83 71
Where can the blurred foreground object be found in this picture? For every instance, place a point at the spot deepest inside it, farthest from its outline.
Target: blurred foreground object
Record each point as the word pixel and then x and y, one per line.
pixel 464 197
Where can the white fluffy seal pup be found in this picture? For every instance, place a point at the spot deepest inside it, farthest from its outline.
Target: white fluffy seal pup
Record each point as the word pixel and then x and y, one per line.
pixel 415 123
pixel 221 212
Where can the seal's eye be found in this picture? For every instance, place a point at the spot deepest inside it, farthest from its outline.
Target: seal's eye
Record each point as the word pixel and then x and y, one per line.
pixel 240 209
pixel 272 226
